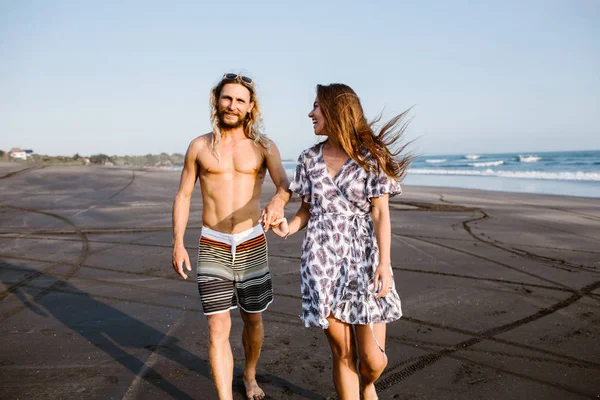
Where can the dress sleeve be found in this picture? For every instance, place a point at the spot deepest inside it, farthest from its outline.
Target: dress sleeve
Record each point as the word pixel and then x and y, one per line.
pixel 300 184
pixel 378 184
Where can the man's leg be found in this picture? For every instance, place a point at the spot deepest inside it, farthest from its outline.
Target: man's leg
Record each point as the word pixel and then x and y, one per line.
pixel 252 337
pixel 220 355
pixel 252 266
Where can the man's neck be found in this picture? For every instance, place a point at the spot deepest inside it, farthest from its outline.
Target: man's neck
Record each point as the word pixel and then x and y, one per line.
pixel 233 134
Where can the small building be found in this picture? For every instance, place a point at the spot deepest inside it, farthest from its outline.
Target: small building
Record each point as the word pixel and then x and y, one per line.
pixel 20 154
pixel 17 153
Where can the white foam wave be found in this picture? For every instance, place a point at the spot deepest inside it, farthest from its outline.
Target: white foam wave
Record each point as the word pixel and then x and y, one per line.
pixel 472 156
pixel 436 161
pixel 529 158
pixel 486 164
pixel 562 176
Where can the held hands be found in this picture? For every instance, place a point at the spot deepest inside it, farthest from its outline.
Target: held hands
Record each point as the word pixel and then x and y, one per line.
pixel 272 212
pixel 384 281
pixel 280 227
pixel 180 256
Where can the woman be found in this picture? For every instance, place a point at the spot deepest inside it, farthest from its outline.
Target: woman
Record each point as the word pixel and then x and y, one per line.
pixel 347 283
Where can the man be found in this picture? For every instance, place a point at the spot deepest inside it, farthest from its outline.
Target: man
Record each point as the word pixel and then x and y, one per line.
pixel 231 164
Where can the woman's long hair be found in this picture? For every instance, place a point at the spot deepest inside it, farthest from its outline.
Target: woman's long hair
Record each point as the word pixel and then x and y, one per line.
pixel 345 120
pixel 252 124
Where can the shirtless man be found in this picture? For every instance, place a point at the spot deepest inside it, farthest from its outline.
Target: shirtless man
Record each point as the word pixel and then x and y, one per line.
pixel 232 270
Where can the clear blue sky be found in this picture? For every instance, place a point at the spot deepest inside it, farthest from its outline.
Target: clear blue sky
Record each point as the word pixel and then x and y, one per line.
pixel 133 77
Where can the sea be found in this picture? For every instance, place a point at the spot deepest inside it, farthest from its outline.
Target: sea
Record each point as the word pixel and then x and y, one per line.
pixel 570 173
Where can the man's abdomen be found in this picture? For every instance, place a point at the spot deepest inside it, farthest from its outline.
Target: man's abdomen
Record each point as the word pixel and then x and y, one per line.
pixel 231 218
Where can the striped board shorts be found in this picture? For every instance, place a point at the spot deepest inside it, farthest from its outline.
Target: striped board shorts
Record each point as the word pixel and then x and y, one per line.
pixel 233 269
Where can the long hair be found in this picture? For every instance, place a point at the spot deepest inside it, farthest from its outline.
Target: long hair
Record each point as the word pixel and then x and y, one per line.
pixel 345 119
pixel 253 123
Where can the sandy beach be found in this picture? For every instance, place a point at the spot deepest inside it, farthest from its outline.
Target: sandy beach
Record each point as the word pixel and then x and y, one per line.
pixel 500 294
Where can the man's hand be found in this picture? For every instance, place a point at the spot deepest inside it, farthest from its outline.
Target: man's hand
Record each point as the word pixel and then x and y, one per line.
pixel 280 227
pixel 272 212
pixel 180 256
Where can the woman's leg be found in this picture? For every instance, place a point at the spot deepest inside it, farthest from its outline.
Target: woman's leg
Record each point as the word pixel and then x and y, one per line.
pixel 343 350
pixel 372 361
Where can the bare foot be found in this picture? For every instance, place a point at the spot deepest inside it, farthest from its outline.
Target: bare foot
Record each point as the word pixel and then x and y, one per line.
pixel 253 391
pixel 369 392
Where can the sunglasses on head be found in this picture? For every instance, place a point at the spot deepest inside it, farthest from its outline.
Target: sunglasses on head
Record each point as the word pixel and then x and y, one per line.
pixel 238 76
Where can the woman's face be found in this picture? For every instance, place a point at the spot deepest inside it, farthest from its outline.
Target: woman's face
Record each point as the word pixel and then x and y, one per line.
pixel 317 118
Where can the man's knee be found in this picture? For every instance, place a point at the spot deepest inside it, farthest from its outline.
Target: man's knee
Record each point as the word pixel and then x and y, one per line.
pixel 219 326
pixel 251 319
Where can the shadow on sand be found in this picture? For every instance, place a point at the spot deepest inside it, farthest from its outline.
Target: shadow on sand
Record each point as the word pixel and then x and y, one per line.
pixel 115 332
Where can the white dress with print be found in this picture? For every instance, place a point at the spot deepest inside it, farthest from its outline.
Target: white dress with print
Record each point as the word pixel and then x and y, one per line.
pixel 339 252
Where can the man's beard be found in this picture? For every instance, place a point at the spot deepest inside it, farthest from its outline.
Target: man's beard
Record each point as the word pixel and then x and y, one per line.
pixel 230 125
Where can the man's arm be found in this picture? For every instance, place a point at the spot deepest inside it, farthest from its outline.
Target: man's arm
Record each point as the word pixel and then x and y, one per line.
pixel 181 209
pixel 274 210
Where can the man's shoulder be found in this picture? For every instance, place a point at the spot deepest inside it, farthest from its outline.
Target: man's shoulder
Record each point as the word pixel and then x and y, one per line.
pixel 268 141
pixel 201 141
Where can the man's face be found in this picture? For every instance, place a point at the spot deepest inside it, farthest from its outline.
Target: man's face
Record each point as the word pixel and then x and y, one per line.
pixel 233 105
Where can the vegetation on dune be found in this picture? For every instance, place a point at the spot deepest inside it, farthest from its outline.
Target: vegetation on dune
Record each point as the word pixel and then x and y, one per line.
pixel 163 160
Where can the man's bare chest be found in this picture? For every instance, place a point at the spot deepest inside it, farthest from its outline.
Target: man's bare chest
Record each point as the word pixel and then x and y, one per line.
pixel 242 161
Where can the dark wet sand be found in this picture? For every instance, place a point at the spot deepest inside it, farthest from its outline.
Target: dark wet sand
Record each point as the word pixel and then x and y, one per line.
pixel 500 293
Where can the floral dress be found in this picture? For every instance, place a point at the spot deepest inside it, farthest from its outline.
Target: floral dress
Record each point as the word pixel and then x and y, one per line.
pixel 340 252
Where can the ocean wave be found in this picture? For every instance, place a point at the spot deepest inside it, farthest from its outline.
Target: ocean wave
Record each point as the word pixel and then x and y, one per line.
pixel 561 176
pixel 486 164
pixel 472 156
pixel 529 158
pixel 436 161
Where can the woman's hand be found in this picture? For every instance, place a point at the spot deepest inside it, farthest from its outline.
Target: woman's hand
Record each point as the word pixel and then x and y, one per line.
pixel 384 281
pixel 280 227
